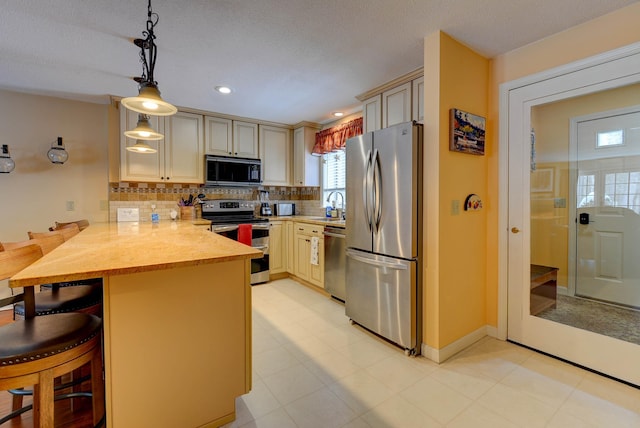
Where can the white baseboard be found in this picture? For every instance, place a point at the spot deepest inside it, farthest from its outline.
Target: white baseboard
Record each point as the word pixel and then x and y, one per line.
pixel 441 355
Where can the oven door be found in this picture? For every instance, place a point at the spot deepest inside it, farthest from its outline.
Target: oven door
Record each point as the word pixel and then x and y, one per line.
pixel 259 240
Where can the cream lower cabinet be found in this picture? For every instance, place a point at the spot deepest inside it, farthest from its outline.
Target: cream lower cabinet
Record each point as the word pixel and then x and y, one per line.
pixel 179 157
pixel 275 152
pixel 303 268
pixel 290 236
pixel 277 248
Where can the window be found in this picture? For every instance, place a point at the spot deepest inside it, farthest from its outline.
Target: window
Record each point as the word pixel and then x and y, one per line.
pixel 333 177
pixel 611 138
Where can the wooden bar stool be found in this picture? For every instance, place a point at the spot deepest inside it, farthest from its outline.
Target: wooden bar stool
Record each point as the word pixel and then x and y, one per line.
pixel 36 350
pixel 84 296
pixel 82 224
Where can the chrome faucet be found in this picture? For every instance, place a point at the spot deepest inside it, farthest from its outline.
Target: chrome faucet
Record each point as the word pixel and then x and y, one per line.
pixel 341 202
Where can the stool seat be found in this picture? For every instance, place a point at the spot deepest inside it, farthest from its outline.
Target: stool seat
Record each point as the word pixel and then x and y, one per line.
pixel 41 337
pixel 58 300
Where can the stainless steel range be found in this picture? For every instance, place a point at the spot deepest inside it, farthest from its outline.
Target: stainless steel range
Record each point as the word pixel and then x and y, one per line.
pixel 226 215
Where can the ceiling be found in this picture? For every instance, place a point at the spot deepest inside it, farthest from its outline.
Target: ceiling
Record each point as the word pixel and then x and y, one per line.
pixel 287 60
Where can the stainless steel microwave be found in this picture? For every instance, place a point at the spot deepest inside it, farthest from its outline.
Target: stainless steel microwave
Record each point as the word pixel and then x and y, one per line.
pixel 231 171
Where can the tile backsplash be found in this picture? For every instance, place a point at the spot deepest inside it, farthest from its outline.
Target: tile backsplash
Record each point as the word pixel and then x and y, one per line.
pixel 161 198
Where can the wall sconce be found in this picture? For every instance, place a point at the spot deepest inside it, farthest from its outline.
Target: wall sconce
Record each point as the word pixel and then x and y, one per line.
pixel 6 163
pixel 57 153
pixel 143 130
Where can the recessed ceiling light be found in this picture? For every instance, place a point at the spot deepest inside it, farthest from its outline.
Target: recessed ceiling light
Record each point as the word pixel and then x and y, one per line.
pixel 223 89
pixel 338 113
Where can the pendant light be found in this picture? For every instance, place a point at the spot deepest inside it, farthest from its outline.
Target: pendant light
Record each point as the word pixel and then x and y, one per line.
pixel 143 130
pixel 57 154
pixel 141 147
pixel 6 163
pixel 148 100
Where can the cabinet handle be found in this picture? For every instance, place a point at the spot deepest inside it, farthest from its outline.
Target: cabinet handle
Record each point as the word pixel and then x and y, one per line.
pixel 308 240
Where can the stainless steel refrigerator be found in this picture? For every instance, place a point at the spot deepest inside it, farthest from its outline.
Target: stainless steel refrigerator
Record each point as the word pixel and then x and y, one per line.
pixel 384 216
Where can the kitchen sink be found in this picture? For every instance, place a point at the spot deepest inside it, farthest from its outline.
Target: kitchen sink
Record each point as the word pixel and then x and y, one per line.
pixel 326 218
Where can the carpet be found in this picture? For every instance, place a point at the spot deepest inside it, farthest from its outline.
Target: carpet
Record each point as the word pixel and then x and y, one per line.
pixel 613 321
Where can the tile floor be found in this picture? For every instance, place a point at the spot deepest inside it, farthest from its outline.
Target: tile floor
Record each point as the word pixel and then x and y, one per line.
pixel 312 368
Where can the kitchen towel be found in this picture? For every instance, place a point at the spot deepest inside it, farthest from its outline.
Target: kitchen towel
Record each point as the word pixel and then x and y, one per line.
pixel 244 234
pixel 314 250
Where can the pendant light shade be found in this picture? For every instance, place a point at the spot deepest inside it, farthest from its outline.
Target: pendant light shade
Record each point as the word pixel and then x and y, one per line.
pixel 143 130
pixel 57 154
pixel 148 100
pixel 141 147
pixel 6 163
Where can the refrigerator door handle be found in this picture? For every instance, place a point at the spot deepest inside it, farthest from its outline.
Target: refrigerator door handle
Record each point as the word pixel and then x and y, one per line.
pixel 365 191
pixel 379 263
pixel 377 190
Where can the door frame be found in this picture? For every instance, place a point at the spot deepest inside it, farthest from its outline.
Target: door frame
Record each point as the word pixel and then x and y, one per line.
pixel 596 73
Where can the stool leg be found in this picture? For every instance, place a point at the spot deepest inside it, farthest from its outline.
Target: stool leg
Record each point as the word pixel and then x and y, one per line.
pixel 43 397
pixel 97 386
pixel 16 402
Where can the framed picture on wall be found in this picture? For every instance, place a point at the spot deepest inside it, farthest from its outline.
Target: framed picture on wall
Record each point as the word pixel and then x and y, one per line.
pixel 467 132
pixel 542 180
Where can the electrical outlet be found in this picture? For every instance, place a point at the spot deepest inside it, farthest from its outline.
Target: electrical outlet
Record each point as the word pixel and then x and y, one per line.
pixel 71 206
pixel 455 207
pixel 559 203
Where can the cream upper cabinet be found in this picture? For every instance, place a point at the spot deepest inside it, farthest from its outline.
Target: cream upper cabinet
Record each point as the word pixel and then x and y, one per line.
pixel 218 133
pixel 275 152
pixel 179 157
pixel 306 167
pixel 184 148
pixel 396 105
pixel 245 140
pixel 417 112
pixel 372 113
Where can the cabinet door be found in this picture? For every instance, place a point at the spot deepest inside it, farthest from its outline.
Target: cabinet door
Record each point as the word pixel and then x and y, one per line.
pixel 276 248
pixel 218 136
pixel 372 113
pixel 290 247
pixel 147 167
pixel 306 167
pixel 245 140
pixel 184 151
pixel 275 152
pixel 316 272
pixel 302 254
pixel 417 112
pixel 396 105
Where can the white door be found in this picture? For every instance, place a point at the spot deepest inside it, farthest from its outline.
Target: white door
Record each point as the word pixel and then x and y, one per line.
pixel 527 206
pixel 607 261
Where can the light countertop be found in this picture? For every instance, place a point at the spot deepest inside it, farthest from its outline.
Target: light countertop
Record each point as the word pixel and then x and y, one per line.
pixel 121 248
pixel 309 219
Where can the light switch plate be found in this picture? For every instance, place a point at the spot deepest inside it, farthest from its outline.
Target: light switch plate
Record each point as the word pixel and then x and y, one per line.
pixel 128 214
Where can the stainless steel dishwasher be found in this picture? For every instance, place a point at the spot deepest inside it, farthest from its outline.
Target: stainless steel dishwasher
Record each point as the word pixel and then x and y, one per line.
pixel 334 261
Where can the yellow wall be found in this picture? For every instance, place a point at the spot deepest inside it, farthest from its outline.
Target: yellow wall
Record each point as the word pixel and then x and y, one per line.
pixel 611 31
pixel 34 195
pixel 455 247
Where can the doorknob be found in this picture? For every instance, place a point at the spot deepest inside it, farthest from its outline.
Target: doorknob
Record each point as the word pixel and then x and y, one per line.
pixel 515 230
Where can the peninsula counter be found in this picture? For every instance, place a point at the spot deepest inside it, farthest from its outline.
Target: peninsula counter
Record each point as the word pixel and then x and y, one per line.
pixel 177 318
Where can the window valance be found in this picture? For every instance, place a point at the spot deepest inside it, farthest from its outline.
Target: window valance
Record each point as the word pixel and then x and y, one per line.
pixel 335 138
